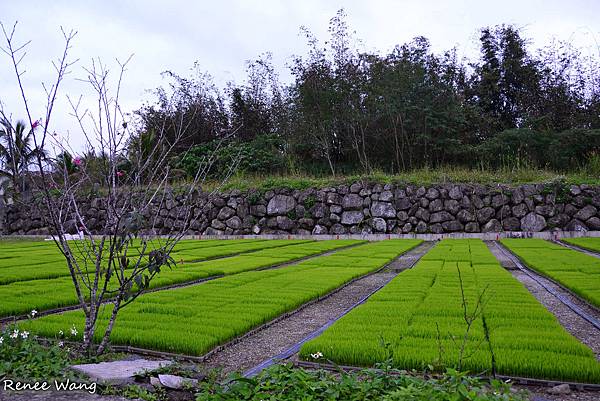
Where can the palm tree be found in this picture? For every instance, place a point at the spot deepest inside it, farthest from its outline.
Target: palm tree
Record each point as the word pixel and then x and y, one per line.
pixel 66 163
pixel 16 152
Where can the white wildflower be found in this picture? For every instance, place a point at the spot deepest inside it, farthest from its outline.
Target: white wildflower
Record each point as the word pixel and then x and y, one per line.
pixel 1 340
pixel 33 313
pixel 317 355
pixel 60 344
pixel 24 335
pixel 61 333
pixel 15 334
pixel 74 331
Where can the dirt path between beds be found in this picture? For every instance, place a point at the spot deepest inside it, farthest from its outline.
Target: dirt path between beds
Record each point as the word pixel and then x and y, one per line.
pixel 288 332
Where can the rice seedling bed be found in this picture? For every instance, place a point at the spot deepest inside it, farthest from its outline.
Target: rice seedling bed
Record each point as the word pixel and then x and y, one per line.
pixel 193 320
pixel 417 321
pixel 46 262
pixel 589 243
pixel 21 297
pixel 574 270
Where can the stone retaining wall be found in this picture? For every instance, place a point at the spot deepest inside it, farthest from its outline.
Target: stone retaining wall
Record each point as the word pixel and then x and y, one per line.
pixel 362 208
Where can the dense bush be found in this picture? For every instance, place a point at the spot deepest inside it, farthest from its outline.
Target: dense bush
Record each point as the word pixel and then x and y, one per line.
pixel 24 358
pixel 262 154
pixel 283 383
pixel 348 111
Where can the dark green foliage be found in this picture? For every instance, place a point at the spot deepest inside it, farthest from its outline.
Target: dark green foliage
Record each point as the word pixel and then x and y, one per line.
pixel 23 358
pixel 17 151
pixel 310 201
pixel 350 111
pixel 285 383
pixel 253 197
pixel 262 154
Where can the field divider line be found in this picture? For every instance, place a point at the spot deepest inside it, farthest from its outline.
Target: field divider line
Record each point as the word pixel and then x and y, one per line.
pixel 576 248
pixel 514 379
pixel 426 246
pixel 14 319
pixel 536 277
pixel 203 358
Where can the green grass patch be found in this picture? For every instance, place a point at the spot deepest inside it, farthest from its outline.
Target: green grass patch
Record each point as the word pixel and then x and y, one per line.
pixel 423 176
pixel 285 383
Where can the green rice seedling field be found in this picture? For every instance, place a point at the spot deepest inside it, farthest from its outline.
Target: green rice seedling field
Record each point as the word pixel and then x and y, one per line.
pixel 575 270
pixel 20 297
pixel 417 320
pixel 193 320
pixel 193 254
pixel 45 261
pixel 589 243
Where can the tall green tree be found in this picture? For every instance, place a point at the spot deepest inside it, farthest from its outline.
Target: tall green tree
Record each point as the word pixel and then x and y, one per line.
pixel 506 82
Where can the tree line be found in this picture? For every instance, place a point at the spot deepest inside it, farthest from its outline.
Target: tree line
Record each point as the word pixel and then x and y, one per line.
pixel 348 111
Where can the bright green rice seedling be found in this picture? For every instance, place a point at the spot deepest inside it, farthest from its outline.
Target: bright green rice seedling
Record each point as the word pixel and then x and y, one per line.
pixel 45 262
pixel 195 319
pixel 420 316
pixel 589 243
pixel 575 270
pixel 190 255
pixel 20 297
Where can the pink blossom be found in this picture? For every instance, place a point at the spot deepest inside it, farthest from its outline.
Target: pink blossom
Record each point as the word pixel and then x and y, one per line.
pixel 35 124
pixel 120 174
pixel 77 161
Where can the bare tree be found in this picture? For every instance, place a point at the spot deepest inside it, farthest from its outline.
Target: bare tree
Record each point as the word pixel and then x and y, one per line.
pixel 115 264
pixel 469 317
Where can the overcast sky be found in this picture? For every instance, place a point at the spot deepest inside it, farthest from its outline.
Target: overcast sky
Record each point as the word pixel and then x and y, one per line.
pixel 221 35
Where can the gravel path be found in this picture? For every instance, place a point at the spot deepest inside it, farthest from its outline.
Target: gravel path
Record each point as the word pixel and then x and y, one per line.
pixel 541 394
pixel 571 321
pixel 287 332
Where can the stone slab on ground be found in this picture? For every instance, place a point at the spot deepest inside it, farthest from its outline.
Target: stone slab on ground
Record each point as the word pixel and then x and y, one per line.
pixel 118 372
pixel 176 382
